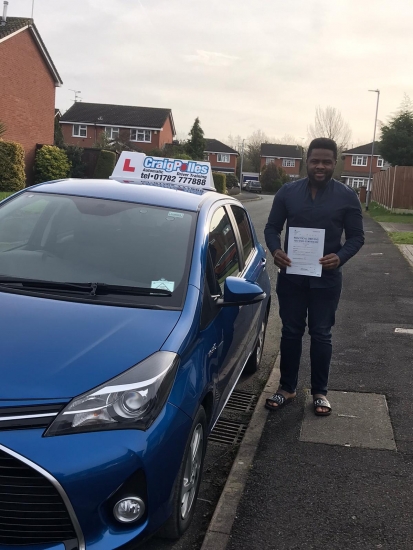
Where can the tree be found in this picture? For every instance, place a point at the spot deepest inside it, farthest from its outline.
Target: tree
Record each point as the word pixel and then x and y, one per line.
pixel 272 178
pixel 195 146
pixel 330 123
pixel 396 145
pixel 58 134
pixel 252 159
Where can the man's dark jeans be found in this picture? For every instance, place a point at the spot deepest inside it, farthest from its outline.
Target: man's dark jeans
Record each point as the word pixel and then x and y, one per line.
pixel 296 303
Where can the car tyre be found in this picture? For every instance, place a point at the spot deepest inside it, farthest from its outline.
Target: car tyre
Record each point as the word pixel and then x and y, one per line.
pixel 254 361
pixel 188 481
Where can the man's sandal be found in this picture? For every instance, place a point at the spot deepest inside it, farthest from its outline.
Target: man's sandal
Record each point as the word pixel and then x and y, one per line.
pixel 279 400
pixel 321 403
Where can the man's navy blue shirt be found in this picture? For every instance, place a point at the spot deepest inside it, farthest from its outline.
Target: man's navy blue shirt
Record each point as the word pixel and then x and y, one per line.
pixel 335 208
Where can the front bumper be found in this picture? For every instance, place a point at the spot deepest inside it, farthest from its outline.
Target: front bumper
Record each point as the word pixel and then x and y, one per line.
pixel 91 467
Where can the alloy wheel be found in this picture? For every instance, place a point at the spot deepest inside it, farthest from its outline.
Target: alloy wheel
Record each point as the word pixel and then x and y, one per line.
pixel 192 472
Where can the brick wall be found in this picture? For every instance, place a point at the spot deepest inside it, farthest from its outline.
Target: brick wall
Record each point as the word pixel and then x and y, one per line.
pixel 348 167
pixel 231 165
pixel 27 95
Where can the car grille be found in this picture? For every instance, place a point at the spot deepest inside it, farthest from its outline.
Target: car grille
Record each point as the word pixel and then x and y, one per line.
pixel 37 416
pixel 31 509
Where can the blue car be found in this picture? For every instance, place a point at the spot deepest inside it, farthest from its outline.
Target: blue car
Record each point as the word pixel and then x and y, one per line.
pixel 127 315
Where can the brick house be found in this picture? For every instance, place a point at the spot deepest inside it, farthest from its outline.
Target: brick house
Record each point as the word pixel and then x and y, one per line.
pixel 357 163
pixel 222 157
pixel 144 128
pixel 28 81
pixel 287 157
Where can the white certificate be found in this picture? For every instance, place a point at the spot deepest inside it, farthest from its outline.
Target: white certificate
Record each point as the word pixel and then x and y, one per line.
pixel 305 248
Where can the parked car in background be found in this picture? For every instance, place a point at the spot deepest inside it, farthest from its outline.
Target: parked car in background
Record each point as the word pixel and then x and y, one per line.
pixel 253 186
pixel 127 313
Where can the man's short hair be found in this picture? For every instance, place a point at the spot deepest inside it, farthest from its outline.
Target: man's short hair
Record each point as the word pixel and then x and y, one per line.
pixel 323 143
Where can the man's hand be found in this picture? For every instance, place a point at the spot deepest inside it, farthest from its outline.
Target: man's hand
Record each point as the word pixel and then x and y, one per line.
pixel 281 259
pixel 331 261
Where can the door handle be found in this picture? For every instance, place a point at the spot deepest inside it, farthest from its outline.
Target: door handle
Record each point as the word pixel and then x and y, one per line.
pixel 264 261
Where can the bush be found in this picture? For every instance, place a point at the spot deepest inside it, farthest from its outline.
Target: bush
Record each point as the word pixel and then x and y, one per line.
pixel 272 178
pixel 12 174
pixel 51 164
pixel 231 180
pixel 220 182
pixel 74 155
pixel 105 165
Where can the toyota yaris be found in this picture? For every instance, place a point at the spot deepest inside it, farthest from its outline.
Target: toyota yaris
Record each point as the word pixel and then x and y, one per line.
pixel 127 315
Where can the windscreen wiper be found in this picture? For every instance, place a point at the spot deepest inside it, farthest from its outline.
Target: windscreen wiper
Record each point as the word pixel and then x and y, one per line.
pixel 93 289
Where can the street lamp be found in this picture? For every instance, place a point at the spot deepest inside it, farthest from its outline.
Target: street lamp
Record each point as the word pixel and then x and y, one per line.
pixel 369 183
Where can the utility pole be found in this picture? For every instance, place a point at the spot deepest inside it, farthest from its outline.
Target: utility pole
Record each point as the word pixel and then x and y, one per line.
pixel 242 163
pixel 32 8
pixel 369 183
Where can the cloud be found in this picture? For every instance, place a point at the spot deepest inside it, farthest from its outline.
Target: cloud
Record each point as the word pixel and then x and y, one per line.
pixel 211 59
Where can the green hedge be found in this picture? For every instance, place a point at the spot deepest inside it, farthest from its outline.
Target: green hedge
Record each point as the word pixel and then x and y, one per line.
pixel 12 174
pixel 231 180
pixel 220 181
pixel 51 164
pixel 105 165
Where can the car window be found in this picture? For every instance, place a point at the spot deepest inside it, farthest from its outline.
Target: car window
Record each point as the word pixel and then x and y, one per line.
pixel 244 229
pixel 82 240
pixel 222 247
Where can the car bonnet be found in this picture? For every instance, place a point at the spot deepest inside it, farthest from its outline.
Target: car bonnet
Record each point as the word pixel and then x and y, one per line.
pixel 53 349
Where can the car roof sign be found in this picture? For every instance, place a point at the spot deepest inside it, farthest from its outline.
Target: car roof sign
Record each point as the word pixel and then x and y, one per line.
pixel 189 175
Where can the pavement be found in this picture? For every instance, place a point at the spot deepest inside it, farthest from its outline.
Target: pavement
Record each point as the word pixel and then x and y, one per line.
pixel 301 482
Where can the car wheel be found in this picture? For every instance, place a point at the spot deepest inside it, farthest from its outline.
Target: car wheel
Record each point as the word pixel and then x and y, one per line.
pixel 255 359
pixel 188 480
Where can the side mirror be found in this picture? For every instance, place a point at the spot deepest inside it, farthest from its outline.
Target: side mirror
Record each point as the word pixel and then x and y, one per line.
pixel 239 292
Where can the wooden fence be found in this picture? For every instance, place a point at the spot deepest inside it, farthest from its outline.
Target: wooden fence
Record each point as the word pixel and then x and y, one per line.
pixel 393 188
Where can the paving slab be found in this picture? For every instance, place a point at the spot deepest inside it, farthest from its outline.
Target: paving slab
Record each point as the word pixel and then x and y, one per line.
pixel 357 420
pixel 396 227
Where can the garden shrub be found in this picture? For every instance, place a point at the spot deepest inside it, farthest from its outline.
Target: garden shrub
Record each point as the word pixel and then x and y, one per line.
pixel 51 164
pixel 74 154
pixel 231 180
pixel 12 173
pixel 105 165
pixel 220 182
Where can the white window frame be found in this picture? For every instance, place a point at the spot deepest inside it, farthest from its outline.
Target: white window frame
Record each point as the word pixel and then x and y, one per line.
pixel 380 162
pixel 206 157
pixel 223 157
pixel 358 182
pixel 80 128
pixel 269 160
pixel 112 132
pixel 288 163
pixel 359 160
pixel 144 134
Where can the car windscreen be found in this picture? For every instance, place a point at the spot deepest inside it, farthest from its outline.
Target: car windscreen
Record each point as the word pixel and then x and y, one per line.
pixel 81 240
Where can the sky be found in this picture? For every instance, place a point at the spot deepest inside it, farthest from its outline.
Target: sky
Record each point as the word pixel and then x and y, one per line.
pixel 239 66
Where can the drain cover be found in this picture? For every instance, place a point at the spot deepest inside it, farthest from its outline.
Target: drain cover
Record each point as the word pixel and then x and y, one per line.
pixel 241 401
pixel 227 432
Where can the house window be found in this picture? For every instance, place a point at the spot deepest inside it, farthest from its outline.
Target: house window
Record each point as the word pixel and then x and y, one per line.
pixel 358 160
pixel 113 133
pixel 79 131
pixel 268 160
pixel 290 163
pixel 380 162
pixel 140 135
pixel 358 182
pixel 222 158
pixel 206 157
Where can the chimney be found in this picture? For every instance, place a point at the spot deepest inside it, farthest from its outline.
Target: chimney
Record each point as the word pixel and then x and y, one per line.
pixel 4 17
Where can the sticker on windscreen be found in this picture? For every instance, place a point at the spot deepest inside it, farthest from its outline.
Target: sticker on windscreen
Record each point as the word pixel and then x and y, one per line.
pixel 175 214
pixel 163 284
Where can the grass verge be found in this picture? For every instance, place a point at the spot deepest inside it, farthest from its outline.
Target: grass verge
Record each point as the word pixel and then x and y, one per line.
pixel 381 214
pixel 402 237
pixel 4 194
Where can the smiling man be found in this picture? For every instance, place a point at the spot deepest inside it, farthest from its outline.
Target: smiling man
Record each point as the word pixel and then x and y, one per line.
pixel 315 202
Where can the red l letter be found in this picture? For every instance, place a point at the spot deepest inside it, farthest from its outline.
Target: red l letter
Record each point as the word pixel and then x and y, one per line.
pixel 127 167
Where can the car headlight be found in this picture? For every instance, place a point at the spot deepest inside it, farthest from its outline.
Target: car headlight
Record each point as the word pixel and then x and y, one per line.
pixel 131 400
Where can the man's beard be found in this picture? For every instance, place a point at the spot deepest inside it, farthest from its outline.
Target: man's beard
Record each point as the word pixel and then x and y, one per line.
pixel 318 183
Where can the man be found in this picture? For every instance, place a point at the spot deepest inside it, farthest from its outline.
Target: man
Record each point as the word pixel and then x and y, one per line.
pixel 317 201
